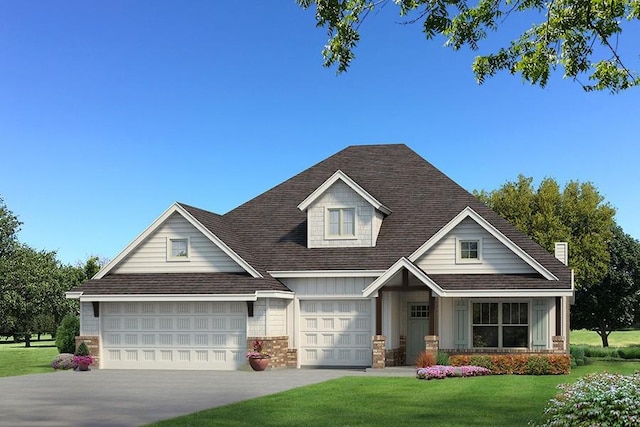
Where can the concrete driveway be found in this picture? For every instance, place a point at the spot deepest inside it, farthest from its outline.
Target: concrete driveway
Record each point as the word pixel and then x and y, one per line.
pixel 133 398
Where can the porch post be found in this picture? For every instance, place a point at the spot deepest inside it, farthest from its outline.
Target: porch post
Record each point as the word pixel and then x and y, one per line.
pixel 379 353
pixel 432 344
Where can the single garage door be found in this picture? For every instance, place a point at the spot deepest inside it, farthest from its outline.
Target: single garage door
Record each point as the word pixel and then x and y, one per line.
pixel 335 333
pixel 173 335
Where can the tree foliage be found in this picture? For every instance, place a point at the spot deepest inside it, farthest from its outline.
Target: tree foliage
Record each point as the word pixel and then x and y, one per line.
pixel 576 214
pixel 611 303
pixel 580 36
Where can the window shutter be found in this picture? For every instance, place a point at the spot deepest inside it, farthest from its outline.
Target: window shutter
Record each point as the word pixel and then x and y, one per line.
pixel 461 324
pixel 539 324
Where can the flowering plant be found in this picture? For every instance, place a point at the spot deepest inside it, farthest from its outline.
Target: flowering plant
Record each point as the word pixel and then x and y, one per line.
pixel 441 372
pixel 258 351
pixel 82 360
pixel 63 361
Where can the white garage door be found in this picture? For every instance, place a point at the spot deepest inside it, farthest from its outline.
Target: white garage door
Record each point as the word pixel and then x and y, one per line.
pixel 335 333
pixel 173 335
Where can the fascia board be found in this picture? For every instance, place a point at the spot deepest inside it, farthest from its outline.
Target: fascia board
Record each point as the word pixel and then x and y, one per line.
pixel 470 213
pixel 219 243
pixel 275 294
pixel 339 175
pixel 289 274
pixel 72 295
pixel 511 293
pixel 375 286
pixel 168 297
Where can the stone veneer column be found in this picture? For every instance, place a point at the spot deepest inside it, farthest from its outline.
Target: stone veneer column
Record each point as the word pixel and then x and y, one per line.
pixel 379 353
pixel 277 347
pixel 432 344
pixel 558 344
pixel 93 344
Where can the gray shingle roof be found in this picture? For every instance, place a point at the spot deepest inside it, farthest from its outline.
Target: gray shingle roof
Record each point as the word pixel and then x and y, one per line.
pixel 270 232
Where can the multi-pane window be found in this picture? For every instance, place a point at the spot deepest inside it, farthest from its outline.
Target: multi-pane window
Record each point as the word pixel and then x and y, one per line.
pixel 179 248
pixel 342 222
pixel 419 311
pixel 501 325
pixel 469 250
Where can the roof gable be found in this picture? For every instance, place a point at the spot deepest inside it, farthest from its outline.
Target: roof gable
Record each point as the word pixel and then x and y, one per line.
pixel 178 209
pixel 492 230
pixel 341 176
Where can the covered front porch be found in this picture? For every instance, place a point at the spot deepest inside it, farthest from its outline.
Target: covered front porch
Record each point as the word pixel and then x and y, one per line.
pixel 417 312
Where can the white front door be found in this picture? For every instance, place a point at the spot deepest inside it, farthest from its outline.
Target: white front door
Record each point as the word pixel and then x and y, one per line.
pixel 173 335
pixel 417 329
pixel 335 333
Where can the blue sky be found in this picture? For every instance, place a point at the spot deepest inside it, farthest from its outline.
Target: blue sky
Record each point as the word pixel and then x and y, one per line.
pixel 112 110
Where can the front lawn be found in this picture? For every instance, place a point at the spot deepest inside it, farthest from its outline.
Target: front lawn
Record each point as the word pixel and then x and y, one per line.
pixel 15 359
pixel 506 400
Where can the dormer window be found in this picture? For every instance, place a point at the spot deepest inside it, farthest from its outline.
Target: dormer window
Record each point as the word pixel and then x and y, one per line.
pixel 341 222
pixel 178 249
pixel 469 251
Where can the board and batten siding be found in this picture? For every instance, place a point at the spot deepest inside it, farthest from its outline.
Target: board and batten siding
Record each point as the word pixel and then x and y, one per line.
pixel 89 324
pixel 151 255
pixel 331 287
pixel 269 318
pixel 496 258
pixel 340 195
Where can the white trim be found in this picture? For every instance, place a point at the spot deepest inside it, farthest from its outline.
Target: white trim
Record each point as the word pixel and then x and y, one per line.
pixel 170 257
pixel 290 274
pixel 181 297
pixel 339 175
pixel 470 213
pixel 372 289
pixel 459 259
pixel 509 293
pixel 331 298
pixel 275 294
pixel 72 295
pixel 176 207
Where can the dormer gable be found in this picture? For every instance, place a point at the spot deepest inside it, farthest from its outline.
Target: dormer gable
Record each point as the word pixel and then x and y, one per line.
pixel 177 242
pixel 341 213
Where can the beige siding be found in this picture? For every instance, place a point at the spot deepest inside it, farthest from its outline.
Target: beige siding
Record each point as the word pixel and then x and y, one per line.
pixel 328 286
pixel 257 325
pixel 496 258
pixel 277 317
pixel 89 325
pixel 151 255
pixel 340 195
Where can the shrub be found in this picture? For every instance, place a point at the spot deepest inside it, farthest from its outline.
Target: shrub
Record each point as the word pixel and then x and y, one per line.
pixel 425 359
pixel 441 372
pixel 63 361
pixel 523 364
pixel 591 351
pixel 596 399
pixel 66 334
pixel 442 358
pixel 578 354
pixel 630 352
pixel 82 350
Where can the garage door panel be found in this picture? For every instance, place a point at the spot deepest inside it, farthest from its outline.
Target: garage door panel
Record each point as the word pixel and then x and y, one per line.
pixel 181 335
pixel 335 333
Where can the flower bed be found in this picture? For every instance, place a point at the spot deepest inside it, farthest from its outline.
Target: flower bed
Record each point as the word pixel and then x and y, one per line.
pixel 441 372
pixel 524 364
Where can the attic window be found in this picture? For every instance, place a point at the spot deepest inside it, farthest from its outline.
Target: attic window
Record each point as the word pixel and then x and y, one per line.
pixel 341 222
pixel 178 249
pixel 469 251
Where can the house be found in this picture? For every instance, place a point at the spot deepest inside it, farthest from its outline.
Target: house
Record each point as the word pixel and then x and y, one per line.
pixel 353 262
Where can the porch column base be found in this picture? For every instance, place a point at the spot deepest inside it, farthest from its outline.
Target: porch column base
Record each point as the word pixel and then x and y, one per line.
pixel 432 344
pixel 379 353
pixel 558 344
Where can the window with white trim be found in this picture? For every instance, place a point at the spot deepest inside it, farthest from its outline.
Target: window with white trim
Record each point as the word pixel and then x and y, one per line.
pixel 341 222
pixel 178 249
pixel 501 325
pixel 469 250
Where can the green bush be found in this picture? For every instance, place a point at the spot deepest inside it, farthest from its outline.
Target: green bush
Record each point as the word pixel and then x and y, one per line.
pixel 442 358
pixel 82 350
pixel 537 365
pixel 578 353
pixel 517 364
pixel 591 351
pixel 482 361
pixel 629 352
pixel 600 399
pixel 66 334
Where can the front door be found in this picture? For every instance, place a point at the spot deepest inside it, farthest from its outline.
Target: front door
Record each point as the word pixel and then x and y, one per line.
pixel 417 329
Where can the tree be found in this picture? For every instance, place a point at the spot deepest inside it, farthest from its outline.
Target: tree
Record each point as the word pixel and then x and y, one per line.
pixel 9 227
pixel 611 303
pixel 577 215
pixel 580 36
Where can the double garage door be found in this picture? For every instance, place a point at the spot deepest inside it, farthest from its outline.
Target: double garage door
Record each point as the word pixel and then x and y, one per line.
pixel 173 335
pixel 335 333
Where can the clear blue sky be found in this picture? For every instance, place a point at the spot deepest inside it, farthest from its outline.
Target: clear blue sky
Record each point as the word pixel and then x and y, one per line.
pixel 112 110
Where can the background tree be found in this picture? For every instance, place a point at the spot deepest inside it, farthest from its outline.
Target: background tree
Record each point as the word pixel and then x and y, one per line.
pixel 611 303
pixel 9 227
pixel 581 36
pixel 577 215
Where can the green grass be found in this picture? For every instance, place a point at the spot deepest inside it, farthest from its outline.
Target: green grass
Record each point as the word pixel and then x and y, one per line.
pixel 616 339
pixel 509 400
pixel 15 359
